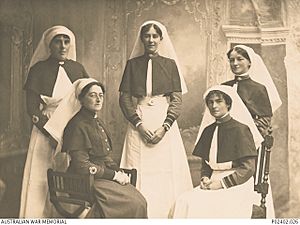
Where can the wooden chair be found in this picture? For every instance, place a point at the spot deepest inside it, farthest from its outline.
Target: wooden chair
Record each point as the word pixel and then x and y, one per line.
pixel 75 189
pixel 261 177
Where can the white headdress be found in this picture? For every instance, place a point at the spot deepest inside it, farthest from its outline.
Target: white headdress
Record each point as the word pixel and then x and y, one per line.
pixel 259 73
pixel 66 109
pixel 166 49
pixel 238 111
pixel 42 51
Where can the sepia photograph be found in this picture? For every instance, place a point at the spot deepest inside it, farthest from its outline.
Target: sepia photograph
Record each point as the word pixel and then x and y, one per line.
pixel 149 109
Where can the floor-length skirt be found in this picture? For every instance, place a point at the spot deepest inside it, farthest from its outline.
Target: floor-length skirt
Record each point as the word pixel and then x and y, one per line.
pixel 41 156
pixel 114 200
pixel 163 171
pixel 234 202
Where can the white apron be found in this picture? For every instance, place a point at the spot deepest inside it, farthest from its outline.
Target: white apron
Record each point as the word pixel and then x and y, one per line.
pixel 35 201
pixel 163 171
pixel 234 202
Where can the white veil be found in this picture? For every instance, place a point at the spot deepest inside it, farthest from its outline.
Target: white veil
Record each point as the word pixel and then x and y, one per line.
pixel 166 49
pixel 66 109
pixel 238 111
pixel 259 73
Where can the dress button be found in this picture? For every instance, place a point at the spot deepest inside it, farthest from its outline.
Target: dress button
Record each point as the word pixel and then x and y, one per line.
pixel 105 140
pixel 107 149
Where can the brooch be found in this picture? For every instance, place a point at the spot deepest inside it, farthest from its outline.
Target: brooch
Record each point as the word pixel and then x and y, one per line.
pixel 151 102
pixel 93 170
pixel 35 119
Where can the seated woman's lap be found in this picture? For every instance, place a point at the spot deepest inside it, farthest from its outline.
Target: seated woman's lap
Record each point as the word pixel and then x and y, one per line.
pixel 117 200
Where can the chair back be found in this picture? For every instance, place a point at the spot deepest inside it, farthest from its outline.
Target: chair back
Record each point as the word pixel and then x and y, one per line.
pixel 74 189
pixel 261 184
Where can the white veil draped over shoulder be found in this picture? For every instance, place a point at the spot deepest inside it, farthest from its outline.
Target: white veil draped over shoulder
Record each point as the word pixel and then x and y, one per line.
pixel 238 112
pixel 64 112
pixel 259 73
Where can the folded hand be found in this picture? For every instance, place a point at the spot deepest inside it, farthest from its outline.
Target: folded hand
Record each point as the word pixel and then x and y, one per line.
pixel 146 134
pixel 121 178
pixel 158 135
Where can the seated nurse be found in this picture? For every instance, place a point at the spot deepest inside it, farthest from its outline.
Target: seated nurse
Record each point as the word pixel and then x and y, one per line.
pixel 88 142
pixel 227 147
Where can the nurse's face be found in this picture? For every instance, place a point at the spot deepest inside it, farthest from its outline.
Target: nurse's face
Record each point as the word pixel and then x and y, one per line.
pixel 93 99
pixel 238 63
pixel 151 40
pixel 59 47
pixel 217 106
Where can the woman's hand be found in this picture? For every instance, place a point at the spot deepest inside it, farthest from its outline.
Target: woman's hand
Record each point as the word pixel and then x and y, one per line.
pixel 47 113
pixel 158 135
pixel 121 177
pixel 208 184
pixel 145 133
pixel 214 185
pixel 204 183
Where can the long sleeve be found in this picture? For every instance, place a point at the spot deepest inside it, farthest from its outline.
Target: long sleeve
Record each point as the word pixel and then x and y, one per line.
pixel 128 108
pixel 244 170
pixel 81 163
pixel 206 171
pixel 33 101
pixel 174 108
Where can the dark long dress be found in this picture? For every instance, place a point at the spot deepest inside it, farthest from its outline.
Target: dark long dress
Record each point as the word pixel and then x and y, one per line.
pixel 89 145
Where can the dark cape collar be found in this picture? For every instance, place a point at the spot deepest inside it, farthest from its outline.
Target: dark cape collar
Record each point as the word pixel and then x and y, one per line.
pixel 165 76
pixel 234 139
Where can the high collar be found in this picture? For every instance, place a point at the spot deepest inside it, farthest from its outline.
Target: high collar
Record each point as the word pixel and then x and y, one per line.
pixel 56 61
pixel 223 119
pixel 244 76
pixel 87 113
pixel 151 56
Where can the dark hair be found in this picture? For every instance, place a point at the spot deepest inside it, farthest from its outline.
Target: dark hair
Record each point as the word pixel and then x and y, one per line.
pixel 240 51
pixel 219 94
pixel 87 88
pixel 147 28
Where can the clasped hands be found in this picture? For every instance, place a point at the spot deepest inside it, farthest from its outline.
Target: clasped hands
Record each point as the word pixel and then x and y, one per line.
pixel 121 177
pixel 208 184
pixel 149 136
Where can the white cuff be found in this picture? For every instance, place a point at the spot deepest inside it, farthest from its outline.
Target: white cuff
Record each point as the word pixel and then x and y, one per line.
pixel 138 124
pixel 114 178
